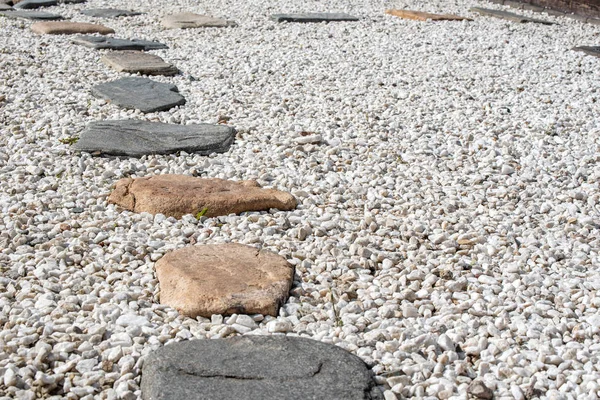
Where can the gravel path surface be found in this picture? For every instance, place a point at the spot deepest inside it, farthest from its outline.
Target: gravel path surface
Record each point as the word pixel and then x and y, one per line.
pixel 448 223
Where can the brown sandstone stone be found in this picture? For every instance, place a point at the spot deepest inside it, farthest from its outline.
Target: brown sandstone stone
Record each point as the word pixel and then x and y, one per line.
pixel 177 195
pixel 67 28
pixel 138 62
pixel 423 16
pixel 191 20
pixel 224 279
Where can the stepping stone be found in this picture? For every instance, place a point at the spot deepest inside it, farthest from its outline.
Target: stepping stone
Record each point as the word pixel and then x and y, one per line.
pixel 137 138
pixel 178 195
pixel 423 16
pixel 591 50
pixel 191 20
pixel 35 15
pixel 256 367
pixel 5 7
pixel 507 16
pixel 141 94
pixel 226 279
pixel 109 13
pixel 313 17
pixel 67 28
pixel 99 42
pixel 138 62
pixel 31 4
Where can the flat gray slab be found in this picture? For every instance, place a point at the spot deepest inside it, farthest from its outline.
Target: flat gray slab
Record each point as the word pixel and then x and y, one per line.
pixel 31 4
pixel 507 16
pixel 191 20
pixel 109 13
pixel 591 50
pixel 35 15
pixel 99 42
pixel 313 17
pixel 138 62
pixel 256 367
pixel 141 94
pixel 5 7
pixel 137 138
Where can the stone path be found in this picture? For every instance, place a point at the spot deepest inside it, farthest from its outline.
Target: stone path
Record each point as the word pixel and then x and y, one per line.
pixel 313 17
pixel 191 20
pixel 68 28
pixel 224 279
pixel 177 195
pixel 109 13
pixel 424 16
pixel 34 15
pixel 137 138
pixel 508 16
pixel 135 62
pixel 141 94
pixel 100 42
pixel 256 367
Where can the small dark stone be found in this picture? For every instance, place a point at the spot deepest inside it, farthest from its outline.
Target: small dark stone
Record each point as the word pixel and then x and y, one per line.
pixel 109 13
pixel 77 210
pixel 313 17
pixel 478 390
pixel 507 15
pixel 142 94
pixel 98 42
pixel 35 15
pixel 31 4
pixel 256 367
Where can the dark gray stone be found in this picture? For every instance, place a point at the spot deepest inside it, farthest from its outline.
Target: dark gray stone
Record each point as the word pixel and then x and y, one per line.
pixel 35 15
pixel 101 42
pixel 141 94
pixel 313 17
pixel 31 4
pixel 109 13
pixel 591 50
pixel 256 367
pixel 508 16
pixel 137 138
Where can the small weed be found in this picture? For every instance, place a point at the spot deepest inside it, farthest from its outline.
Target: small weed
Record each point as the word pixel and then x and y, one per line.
pixel 202 213
pixel 70 141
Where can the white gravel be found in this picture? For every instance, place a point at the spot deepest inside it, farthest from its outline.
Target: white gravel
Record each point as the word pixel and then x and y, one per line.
pixel 448 227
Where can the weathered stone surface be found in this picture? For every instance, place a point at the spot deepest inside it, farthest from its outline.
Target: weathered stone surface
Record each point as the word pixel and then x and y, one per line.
pixel 67 28
pixel 226 278
pixel 138 93
pixel 35 15
pixel 507 16
pixel 591 50
pixel 177 195
pixel 136 138
pixel 5 7
pixel 424 16
pixel 313 17
pixel 191 20
pixel 478 390
pixel 31 4
pixel 99 42
pixel 256 367
pixel 138 62
pixel 109 13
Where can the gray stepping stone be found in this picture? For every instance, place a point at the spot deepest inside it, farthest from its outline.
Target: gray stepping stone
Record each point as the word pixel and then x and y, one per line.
pixel 191 20
pixel 138 62
pixel 313 17
pixel 99 42
pixel 508 16
pixel 137 138
pixel 109 13
pixel 141 94
pixel 35 15
pixel 591 50
pixel 256 367
pixel 31 4
pixel 5 7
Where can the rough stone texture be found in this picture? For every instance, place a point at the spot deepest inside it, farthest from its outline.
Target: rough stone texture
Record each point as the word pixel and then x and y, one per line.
pixel 313 17
pixel 591 50
pixel 31 4
pixel 177 195
pixel 226 279
pixel 109 13
pixel 507 16
pixel 35 15
pixel 423 16
pixel 191 20
pixel 138 93
pixel 98 42
pixel 136 138
pixel 138 62
pixel 5 7
pixel 478 390
pixel 67 28
pixel 256 367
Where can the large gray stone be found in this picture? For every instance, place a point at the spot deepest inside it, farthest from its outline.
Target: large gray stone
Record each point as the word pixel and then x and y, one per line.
pixel 109 13
pixel 135 62
pixel 507 16
pixel 591 50
pixel 31 4
pixel 313 17
pixel 141 94
pixel 137 138
pixel 191 20
pixel 256 367
pixel 99 42
pixel 35 15
pixel 5 7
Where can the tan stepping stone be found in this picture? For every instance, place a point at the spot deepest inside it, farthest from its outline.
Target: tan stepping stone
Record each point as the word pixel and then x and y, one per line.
pixel 424 16
pixel 138 62
pixel 67 28
pixel 224 279
pixel 178 195
pixel 191 20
